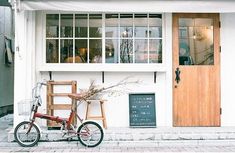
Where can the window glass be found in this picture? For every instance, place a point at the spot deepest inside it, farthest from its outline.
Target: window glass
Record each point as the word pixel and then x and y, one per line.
pixel 66 25
pixel 81 25
pixel 52 25
pixel 155 25
pixel 196 41
pixel 81 51
pixel 95 25
pixel 126 51
pixel 141 25
pixel 141 51
pixel 155 51
pixel 126 25
pixel 111 25
pixel 111 51
pixel 52 50
pixel 66 51
pixel 95 51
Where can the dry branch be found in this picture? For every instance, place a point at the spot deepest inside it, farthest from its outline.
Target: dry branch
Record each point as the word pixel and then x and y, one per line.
pixel 95 90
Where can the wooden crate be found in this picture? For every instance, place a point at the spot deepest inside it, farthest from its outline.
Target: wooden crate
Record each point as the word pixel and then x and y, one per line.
pixel 51 106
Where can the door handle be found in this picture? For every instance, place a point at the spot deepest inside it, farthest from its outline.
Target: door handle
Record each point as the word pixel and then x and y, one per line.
pixel 177 75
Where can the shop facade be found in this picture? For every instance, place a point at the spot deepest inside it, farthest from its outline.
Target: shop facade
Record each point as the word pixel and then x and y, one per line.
pixel 184 60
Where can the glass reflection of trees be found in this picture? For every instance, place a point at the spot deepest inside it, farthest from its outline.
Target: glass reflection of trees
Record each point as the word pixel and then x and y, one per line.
pixel 126 47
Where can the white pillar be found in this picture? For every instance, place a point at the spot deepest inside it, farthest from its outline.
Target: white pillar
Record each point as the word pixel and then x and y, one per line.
pixel 24 59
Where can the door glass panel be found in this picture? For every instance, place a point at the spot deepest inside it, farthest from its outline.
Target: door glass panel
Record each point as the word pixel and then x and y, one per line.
pixel 196 41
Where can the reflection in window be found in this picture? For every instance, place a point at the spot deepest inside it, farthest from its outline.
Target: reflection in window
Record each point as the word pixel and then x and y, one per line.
pixel 81 51
pixel 126 25
pixel 95 51
pixel 155 51
pixel 141 25
pixel 141 51
pixel 111 51
pixel 52 25
pixel 126 51
pixel 66 51
pixel 66 25
pixel 155 25
pixel 52 46
pixel 196 41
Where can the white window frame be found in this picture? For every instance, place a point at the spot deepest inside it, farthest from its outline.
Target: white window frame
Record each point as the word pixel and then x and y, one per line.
pixel 96 67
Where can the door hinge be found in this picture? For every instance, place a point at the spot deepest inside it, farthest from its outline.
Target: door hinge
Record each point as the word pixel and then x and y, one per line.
pixel 220 49
pixel 220 111
pixel 219 24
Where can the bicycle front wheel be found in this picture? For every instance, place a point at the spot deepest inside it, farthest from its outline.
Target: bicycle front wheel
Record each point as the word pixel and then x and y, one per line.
pixel 26 134
pixel 90 134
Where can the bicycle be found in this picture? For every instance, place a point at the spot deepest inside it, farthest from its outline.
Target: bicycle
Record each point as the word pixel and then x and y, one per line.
pixel 27 133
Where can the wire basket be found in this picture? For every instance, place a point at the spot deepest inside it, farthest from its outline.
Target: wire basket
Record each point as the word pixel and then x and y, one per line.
pixel 24 107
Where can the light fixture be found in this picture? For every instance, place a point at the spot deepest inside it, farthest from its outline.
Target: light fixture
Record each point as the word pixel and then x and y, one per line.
pixel 110 53
pixel 125 33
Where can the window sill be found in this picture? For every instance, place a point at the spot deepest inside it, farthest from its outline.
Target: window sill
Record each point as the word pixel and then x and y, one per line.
pixel 103 67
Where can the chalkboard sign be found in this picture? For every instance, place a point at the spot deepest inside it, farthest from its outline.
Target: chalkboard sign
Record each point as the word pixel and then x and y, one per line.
pixel 142 110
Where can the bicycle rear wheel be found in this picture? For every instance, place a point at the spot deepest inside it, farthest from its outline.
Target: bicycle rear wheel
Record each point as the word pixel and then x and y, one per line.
pixel 26 134
pixel 90 134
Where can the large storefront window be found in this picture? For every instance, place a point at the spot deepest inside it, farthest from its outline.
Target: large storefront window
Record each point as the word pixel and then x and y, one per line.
pixel 104 38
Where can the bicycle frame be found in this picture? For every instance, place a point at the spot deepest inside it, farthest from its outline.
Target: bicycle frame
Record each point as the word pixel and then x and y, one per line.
pixel 57 118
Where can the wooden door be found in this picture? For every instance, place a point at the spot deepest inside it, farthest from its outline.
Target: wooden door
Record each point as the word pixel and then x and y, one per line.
pixel 196 70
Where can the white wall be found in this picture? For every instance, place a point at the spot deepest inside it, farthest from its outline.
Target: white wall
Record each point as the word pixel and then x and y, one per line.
pixel 24 71
pixel 228 69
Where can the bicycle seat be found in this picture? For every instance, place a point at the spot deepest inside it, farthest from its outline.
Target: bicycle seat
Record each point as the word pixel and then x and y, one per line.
pixel 75 96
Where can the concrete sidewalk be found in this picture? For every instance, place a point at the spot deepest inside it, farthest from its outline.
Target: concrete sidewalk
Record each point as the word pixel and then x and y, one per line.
pixel 115 146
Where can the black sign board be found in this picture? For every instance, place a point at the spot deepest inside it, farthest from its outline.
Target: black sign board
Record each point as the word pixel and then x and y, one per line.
pixel 142 111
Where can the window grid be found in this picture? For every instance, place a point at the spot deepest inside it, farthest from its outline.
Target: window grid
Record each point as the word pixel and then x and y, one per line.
pixel 103 38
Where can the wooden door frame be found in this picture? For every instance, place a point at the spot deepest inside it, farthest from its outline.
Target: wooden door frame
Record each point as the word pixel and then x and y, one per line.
pixel 175 49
